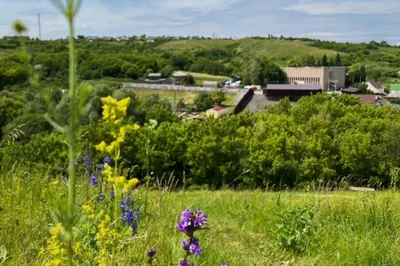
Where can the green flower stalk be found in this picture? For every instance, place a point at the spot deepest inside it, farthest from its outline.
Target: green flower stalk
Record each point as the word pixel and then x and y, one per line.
pixel 70 10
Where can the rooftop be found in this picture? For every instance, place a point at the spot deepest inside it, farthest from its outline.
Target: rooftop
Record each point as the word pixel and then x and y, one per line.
pixel 154 75
pixel 218 108
pixel 293 87
pixel 375 84
pixel 367 98
pixel 180 74
pixel 350 89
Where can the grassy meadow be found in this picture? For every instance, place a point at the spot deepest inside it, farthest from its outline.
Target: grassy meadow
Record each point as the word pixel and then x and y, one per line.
pixel 245 227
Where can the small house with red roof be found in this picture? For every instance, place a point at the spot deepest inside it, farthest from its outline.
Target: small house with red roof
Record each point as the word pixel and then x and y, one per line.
pixel 216 112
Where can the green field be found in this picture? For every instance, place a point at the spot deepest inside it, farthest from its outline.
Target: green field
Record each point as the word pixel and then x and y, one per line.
pixel 195 44
pixel 245 228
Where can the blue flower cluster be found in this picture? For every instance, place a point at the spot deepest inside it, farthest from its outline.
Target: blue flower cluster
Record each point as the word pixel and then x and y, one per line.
pixel 94 178
pixel 130 216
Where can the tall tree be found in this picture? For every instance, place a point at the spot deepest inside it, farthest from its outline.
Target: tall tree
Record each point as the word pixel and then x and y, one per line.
pixel 331 63
pixel 338 60
pixel 325 60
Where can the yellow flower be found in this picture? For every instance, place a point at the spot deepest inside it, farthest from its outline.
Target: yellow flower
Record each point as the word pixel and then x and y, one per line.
pixel 54 183
pixel 131 183
pixel 56 231
pixel 88 210
pixel 102 147
pixel 120 181
pixel 53 262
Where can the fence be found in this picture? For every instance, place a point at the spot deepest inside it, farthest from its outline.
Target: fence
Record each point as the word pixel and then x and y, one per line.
pixel 176 88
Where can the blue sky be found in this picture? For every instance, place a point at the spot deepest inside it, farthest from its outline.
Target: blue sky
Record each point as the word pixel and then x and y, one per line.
pixel 339 20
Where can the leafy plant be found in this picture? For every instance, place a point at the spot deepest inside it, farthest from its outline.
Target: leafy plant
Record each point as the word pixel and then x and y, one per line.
pixel 296 229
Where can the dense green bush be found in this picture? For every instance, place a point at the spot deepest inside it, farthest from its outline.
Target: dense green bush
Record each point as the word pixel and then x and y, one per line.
pixel 319 141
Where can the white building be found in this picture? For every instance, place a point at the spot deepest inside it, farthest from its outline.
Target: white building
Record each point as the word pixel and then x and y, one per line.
pixel 375 87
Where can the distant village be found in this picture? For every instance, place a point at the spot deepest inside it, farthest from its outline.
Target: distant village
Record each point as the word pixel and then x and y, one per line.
pixel 301 81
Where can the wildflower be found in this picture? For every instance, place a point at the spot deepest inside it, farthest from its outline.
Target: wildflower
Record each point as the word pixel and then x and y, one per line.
pixel 128 200
pixel 131 183
pixel 185 263
pixel 151 253
pixel 129 218
pixel 87 160
pixel 107 160
pixel 122 205
pixel 102 147
pixel 94 181
pixel 100 198
pixel 191 221
pixel 112 195
pixel 224 264
pixel 101 167
pixel 88 210
pixel 192 246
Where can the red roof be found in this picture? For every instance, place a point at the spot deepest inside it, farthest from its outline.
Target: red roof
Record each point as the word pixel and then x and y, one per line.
pixel 218 108
pixel 367 98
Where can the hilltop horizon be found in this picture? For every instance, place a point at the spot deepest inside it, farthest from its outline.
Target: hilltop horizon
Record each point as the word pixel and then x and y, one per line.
pixel 194 37
pixel 340 21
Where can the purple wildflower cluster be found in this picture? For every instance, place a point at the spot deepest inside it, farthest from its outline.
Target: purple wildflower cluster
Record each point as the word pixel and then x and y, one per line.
pixel 94 178
pixel 189 223
pixel 129 215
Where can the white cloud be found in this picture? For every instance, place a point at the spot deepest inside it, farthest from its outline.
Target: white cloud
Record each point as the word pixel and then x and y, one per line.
pixel 197 5
pixel 346 7
pixel 332 34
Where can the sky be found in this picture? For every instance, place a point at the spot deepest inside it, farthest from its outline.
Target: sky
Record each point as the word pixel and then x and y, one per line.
pixel 338 20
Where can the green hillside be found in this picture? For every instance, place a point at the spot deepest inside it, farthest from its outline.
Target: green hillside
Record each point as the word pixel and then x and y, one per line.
pixel 196 44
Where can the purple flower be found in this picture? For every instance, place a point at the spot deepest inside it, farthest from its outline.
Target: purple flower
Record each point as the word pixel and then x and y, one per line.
pixel 94 181
pixel 128 200
pixel 129 218
pixel 100 198
pixel 101 167
pixel 194 247
pixel 87 161
pixel 107 160
pixel 151 253
pixel 112 195
pixel 185 263
pixel 200 218
pixel 134 227
pixel 191 221
pixel 122 205
pixel 224 264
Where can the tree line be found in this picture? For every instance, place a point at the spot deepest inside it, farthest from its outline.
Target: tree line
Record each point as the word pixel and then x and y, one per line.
pixel 321 140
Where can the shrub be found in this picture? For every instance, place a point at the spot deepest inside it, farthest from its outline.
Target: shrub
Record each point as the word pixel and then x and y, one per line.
pixel 296 229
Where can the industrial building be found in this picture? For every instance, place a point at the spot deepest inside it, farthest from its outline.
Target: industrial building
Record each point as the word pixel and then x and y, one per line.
pixel 329 78
pixel 276 92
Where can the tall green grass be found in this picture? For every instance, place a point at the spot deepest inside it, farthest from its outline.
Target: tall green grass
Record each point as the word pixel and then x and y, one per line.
pixel 351 228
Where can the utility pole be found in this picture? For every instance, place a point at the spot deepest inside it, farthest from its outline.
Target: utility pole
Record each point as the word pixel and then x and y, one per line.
pixel 40 27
